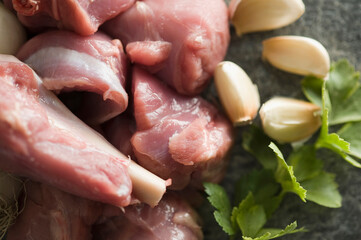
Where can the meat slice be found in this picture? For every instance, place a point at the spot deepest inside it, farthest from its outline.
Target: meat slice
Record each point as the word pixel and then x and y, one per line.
pixel 81 16
pixel 67 62
pixel 172 219
pixel 41 139
pixel 52 214
pixel 183 40
pixel 182 138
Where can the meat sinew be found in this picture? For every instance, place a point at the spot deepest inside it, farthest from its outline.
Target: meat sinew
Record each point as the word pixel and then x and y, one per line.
pixel 52 214
pixel 68 62
pixel 80 16
pixel 172 219
pixel 172 39
pixel 178 137
pixel 41 139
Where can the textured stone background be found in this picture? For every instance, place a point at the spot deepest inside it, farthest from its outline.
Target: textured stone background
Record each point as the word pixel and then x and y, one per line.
pixel 337 25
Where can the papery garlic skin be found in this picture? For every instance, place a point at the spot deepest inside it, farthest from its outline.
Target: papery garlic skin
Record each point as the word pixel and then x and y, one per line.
pixel 296 54
pixel 289 120
pixel 261 15
pixel 239 96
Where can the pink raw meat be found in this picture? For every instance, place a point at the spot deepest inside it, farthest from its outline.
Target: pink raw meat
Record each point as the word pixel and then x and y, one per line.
pixel 96 65
pixel 182 138
pixel 42 140
pixel 184 40
pixel 52 214
pixel 81 16
pixel 172 219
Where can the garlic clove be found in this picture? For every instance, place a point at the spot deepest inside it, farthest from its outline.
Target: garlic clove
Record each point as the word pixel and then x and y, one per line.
pixel 239 96
pixel 299 55
pixel 289 120
pixel 260 15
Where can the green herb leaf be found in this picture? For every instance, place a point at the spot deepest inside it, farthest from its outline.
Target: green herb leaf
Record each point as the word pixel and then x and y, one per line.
pixel 351 133
pixel 343 87
pixel 256 143
pixel 320 185
pixel 249 216
pixel 217 196
pixel 312 89
pixel 333 141
pixel 264 188
pixel 285 176
pixel 272 233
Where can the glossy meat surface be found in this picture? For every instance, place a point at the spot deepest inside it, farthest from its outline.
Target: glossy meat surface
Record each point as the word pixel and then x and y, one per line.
pixel 81 16
pixel 183 39
pixel 67 62
pixel 41 139
pixel 172 219
pixel 182 138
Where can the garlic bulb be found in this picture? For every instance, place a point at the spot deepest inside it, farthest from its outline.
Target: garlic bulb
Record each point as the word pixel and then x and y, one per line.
pixel 290 120
pixel 239 96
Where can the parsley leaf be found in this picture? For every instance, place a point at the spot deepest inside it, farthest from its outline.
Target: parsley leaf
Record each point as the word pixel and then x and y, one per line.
pixel 264 188
pixel 333 141
pixel 217 196
pixel 256 143
pixel 285 176
pixel 351 133
pixel 249 216
pixel 320 185
pixel 271 233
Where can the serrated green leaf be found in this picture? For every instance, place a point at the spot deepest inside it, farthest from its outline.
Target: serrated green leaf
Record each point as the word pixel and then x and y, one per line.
pixel 285 176
pixel 344 90
pixel 264 188
pixel 255 141
pixel 351 133
pixel 305 164
pixel 249 216
pixel 218 198
pixel 323 190
pixel 272 233
pixel 320 185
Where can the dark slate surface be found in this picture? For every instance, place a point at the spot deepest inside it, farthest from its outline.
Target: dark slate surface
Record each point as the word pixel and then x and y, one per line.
pixel 337 25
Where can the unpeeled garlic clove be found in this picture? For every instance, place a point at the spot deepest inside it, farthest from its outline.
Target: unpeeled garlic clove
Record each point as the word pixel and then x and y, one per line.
pixel 260 15
pixel 299 55
pixel 239 96
pixel 289 120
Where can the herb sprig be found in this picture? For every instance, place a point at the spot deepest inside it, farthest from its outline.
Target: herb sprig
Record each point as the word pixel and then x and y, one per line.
pixel 259 193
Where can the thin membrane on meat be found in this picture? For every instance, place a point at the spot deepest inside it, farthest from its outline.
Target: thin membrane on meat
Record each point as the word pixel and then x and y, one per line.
pixel 80 16
pixel 181 41
pixel 178 137
pixel 94 65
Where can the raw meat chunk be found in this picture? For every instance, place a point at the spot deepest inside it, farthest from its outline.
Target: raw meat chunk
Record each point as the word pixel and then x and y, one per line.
pixel 178 137
pixel 68 62
pixel 181 41
pixel 52 214
pixel 172 219
pixel 81 16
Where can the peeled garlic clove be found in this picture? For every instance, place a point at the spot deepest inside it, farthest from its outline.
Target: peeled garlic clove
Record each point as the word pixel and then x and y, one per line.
pixel 239 96
pixel 299 55
pixel 12 33
pixel 260 15
pixel 290 120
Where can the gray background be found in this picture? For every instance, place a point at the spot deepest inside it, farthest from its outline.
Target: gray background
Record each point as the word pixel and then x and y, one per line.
pixel 337 25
